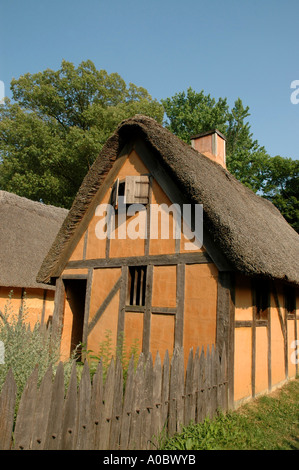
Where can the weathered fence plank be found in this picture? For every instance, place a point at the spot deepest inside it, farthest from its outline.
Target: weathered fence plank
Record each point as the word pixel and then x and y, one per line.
pixel 146 415
pixel 68 431
pixel 53 432
pixel 98 414
pixel 7 408
pixel 176 392
pixel 96 406
pixel 195 386
pixel 114 442
pixel 134 439
pixel 165 392
pixel 25 418
pixel 127 407
pixel 42 409
pixel 156 421
pixel 188 412
pixel 83 418
pixel 214 385
pixel 202 392
pixel 224 382
pixel 106 415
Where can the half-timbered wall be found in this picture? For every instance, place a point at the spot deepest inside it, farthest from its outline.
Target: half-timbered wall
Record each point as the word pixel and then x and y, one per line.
pixel 181 285
pixel 192 299
pixel 264 352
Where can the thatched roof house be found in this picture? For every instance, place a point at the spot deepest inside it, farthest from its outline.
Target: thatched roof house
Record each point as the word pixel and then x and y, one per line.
pixel 238 291
pixel 27 231
pixel 250 232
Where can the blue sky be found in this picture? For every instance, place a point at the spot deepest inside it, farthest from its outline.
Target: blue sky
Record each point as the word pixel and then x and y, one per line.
pixel 233 48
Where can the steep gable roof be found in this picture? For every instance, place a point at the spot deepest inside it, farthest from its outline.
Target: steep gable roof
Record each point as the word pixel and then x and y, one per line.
pixel 249 230
pixel 27 231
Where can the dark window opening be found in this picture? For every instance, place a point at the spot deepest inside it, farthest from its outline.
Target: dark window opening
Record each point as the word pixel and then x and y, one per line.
pixel 262 300
pixel 121 189
pixel 290 300
pixel 136 285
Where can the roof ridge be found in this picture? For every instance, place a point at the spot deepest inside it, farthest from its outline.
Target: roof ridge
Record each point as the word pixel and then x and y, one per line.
pixel 30 204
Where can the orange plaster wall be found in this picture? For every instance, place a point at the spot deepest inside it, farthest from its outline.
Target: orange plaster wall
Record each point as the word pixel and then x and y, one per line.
pixel 120 247
pixel 164 286
pixel 74 271
pixel 243 299
pixel 277 345
pixel 78 251
pixel 34 305
pixel 161 246
pixel 96 247
pixel 133 166
pixel 291 349
pixel 183 248
pixel 200 306
pixel 133 332
pixel 162 335
pixel 261 360
pixel 242 363
pixel 102 283
pixel 15 301
pixel 33 301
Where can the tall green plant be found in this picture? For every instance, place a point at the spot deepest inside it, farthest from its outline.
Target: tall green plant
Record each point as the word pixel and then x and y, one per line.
pixel 106 352
pixel 25 347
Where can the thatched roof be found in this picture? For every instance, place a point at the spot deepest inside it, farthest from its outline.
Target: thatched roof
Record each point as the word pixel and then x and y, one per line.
pixel 27 231
pixel 249 230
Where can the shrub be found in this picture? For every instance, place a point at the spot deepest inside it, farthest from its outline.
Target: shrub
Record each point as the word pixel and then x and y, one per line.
pixel 25 347
pixel 106 352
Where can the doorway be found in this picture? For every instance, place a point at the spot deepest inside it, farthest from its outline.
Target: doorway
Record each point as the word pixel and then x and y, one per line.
pixel 75 290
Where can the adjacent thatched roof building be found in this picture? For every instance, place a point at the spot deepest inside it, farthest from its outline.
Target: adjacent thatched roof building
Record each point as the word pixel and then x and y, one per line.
pixel 27 231
pixel 249 230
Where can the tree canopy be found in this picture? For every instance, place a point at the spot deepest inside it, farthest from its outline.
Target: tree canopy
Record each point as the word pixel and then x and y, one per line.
pixel 275 178
pixel 58 121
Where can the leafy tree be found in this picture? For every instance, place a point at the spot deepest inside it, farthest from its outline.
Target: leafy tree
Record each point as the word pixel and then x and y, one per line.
pixel 275 178
pixel 282 188
pixel 246 159
pixel 191 113
pixel 52 133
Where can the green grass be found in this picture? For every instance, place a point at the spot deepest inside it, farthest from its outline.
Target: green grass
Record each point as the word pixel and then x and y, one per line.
pixel 267 423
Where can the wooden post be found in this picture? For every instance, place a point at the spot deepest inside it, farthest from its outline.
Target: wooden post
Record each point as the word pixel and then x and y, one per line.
pixel 180 300
pixel 7 409
pixel 147 312
pixel 58 306
pixel 225 331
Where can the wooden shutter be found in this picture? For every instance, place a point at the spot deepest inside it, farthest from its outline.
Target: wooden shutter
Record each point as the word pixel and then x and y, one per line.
pixel 137 189
pixel 114 194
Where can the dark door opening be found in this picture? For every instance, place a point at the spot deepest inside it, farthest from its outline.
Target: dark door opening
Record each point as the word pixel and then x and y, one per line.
pixel 75 296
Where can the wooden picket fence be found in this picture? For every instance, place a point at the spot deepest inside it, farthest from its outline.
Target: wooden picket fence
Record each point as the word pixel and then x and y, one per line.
pixel 113 414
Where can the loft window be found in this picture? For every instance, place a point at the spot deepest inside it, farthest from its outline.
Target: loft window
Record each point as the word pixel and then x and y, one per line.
pixel 136 285
pixel 290 300
pixel 134 190
pixel 262 300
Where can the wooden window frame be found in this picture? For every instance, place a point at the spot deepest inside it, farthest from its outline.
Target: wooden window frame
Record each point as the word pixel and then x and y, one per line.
pixel 136 288
pixel 134 189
